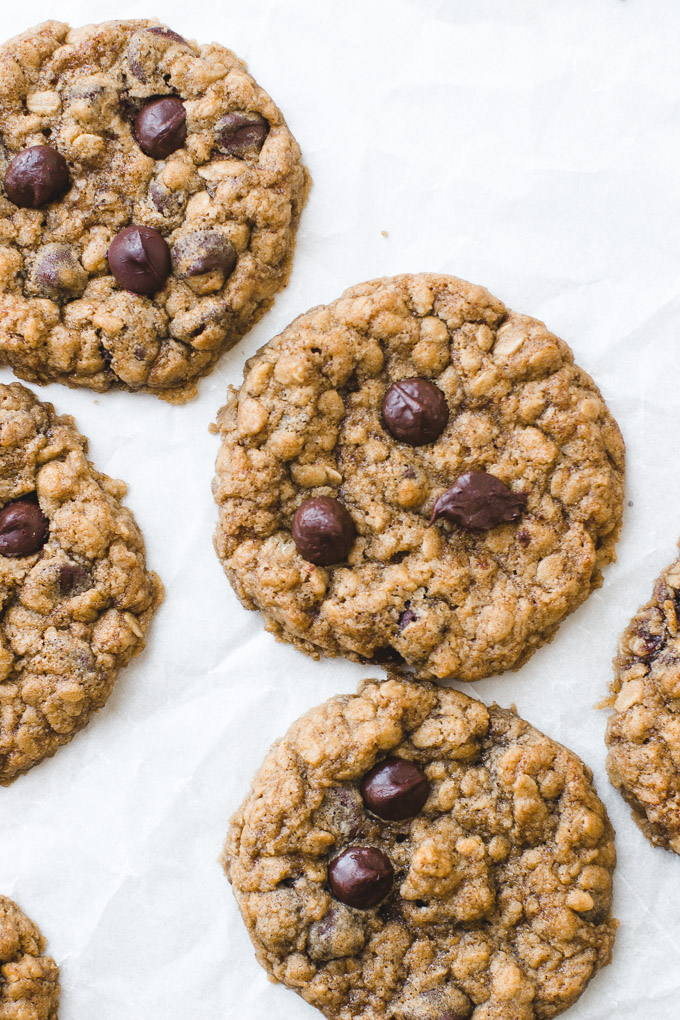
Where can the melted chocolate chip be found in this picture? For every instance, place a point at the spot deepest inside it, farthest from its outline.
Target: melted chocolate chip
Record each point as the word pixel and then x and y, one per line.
pixel 57 272
pixel 415 411
pixel 161 126
pixel 36 177
pixel 73 580
pixel 479 501
pixel 139 259
pixel 23 527
pixel 360 877
pixel 323 531
pixel 395 789
pixel 166 33
pixel 241 134
pixel 203 251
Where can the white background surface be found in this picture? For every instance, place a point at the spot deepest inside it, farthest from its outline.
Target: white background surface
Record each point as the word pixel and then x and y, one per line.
pixel 533 147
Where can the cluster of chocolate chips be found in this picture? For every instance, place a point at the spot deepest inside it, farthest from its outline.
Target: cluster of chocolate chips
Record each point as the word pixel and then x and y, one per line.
pixel 393 790
pixel 415 412
pixel 24 529
pixel 139 257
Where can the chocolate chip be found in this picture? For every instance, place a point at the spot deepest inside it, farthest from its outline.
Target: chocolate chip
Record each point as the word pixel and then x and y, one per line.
pixel 395 789
pixel 139 259
pixel 166 33
pixel 23 527
pixel 323 531
pixel 479 500
pixel 73 580
pixel 203 251
pixel 57 271
pixel 408 616
pixel 36 176
pixel 360 877
pixel 161 126
pixel 386 655
pixel 241 134
pixel 415 411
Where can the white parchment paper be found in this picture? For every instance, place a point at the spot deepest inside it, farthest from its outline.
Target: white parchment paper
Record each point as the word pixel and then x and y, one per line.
pixel 529 145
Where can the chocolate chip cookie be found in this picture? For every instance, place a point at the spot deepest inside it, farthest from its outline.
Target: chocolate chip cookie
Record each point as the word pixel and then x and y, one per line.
pixel 406 853
pixel 76 598
pixel 416 475
pixel 151 196
pixel 29 980
pixel 643 731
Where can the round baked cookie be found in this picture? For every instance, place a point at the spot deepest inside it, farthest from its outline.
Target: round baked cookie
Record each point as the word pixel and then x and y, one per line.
pixel 128 125
pixel 415 475
pixel 406 853
pixel 29 980
pixel 75 595
pixel 643 730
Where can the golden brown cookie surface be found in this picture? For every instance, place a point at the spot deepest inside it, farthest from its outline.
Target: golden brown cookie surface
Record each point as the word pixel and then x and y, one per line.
pixel 643 731
pixel 495 414
pixel 29 980
pixel 491 898
pixel 212 172
pixel 76 597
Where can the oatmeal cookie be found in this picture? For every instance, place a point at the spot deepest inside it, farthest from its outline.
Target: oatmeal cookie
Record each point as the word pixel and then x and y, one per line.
pixel 406 853
pixel 151 197
pixel 418 476
pixel 29 980
pixel 75 595
pixel 643 730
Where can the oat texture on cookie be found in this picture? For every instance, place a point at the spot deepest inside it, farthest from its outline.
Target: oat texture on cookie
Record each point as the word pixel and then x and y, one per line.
pixel 126 126
pixel 643 730
pixel 29 980
pixel 406 853
pixel 76 598
pixel 479 469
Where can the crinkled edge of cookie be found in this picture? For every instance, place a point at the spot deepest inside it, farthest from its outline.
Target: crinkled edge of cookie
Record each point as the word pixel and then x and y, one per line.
pixel 643 729
pixel 41 711
pixel 29 980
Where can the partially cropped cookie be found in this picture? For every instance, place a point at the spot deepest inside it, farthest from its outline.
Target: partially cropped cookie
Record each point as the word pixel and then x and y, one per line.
pixel 643 730
pixel 416 475
pixel 75 594
pixel 29 980
pixel 150 198
pixel 406 853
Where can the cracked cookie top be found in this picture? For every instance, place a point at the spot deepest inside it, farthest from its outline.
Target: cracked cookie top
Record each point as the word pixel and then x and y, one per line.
pixel 151 195
pixel 416 475
pixel 406 853
pixel 643 730
pixel 75 595
pixel 29 980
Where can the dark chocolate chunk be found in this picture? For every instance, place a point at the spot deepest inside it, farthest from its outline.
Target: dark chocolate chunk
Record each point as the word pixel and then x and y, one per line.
pixel 73 580
pixel 323 531
pixel 23 527
pixel 479 501
pixel 36 176
pixel 360 877
pixel 161 126
pixel 415 411
pixel 241 134
pixel 395 789
pixel 139 259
